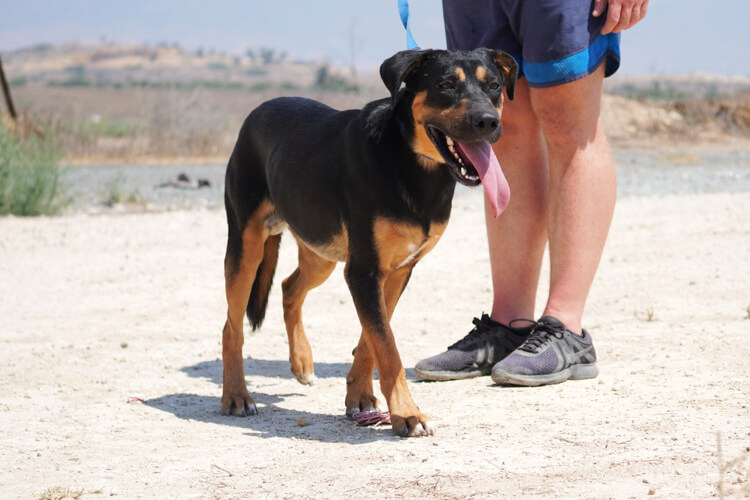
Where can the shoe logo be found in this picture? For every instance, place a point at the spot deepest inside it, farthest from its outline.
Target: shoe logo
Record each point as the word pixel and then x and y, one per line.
pixel 577 356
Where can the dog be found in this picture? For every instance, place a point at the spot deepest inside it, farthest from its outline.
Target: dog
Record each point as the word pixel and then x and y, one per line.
pixel 371 188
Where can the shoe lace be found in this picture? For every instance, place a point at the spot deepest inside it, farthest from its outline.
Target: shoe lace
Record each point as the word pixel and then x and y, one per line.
pixel 540 335
pixel 481 327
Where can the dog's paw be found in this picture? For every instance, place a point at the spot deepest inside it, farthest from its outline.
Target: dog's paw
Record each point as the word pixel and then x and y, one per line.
pixel 414 426
pixel 240 405
pixel 361 403
pixel 303 368
pixel 305 378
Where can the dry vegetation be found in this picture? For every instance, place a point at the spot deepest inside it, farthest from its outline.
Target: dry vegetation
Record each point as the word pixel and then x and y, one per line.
pixel 108 102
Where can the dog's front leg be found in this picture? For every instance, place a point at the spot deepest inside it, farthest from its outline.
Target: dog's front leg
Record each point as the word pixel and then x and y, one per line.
pixel 367 288
pixel 359 393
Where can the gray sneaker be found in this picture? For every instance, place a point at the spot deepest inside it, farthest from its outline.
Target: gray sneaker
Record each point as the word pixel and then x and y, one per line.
pixel 550 355
pixel 475 354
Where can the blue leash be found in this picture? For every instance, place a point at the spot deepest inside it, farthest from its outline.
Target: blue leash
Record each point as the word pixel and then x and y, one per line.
pixel 403 10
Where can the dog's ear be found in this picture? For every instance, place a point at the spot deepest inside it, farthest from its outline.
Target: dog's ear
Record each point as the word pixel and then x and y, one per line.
pixel 396 68
pixel 508 67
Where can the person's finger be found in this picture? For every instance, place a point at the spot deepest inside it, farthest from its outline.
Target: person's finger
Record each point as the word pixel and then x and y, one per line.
pixel 613 17
pixel 637 12
pixel 599 6
pixel 635 16
pixel 623 22
pixel 644 8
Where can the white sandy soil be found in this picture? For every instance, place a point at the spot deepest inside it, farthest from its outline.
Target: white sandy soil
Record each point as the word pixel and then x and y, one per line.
pixel 110 369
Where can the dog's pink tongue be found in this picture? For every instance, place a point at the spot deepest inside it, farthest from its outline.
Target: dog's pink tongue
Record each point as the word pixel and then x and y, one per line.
pixel 481 155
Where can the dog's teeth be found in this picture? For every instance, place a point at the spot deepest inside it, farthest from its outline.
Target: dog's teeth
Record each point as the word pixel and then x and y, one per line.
pixel 451 149
pixel 463 171
pixel 449 141
pixel 460 161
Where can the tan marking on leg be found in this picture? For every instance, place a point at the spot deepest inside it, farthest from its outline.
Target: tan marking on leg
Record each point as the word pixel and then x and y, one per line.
pixel 359 392
pixel 406 419
pixel 399 247
pixel 238 283
pixel 312 270
pixel 360 395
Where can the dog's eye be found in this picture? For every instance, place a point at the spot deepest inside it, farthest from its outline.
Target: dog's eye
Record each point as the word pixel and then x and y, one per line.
pixel 494 85
pixel 446 85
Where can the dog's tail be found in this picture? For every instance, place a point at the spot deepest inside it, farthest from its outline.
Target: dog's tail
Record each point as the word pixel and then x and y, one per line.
pixel 256 306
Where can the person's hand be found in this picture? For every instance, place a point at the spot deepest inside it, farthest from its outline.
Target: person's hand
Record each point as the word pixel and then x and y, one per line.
pixel 621 14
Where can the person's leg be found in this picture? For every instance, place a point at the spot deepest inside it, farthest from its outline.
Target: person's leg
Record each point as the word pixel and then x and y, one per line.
pixel 517 238
pixel 580 201
pixel 581 194
pixel 516 242
pixel 485 23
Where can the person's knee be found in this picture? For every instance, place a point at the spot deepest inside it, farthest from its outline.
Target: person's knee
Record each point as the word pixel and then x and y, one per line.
pixel 518 119
pixel 568 124
pixel 569 114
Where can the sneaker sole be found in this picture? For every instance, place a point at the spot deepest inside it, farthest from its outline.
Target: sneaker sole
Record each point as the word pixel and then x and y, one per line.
pixel 448 375
pixel 575 372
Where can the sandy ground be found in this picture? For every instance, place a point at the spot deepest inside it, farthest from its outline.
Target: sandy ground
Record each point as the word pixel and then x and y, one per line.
pixel 111 372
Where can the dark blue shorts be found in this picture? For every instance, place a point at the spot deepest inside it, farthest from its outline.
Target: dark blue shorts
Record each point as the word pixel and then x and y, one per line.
pixel 554 41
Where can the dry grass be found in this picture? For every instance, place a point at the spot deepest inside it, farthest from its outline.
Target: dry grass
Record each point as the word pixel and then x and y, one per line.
pixel 103 124
pixel 731 115
pixel 734 474
pixel 60 493
pixel 132 124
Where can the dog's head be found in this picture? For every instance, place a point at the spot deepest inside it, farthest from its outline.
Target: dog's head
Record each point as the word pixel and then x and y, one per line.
pixel 455 101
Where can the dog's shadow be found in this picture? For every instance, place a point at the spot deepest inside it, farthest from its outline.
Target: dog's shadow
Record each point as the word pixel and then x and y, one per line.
pixel 212 370
pixel 272 420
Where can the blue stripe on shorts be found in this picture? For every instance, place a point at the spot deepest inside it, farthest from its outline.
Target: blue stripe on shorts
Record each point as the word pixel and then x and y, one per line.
pixel 576 66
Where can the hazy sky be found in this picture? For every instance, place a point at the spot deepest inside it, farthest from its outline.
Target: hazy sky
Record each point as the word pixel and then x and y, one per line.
pixel 677 36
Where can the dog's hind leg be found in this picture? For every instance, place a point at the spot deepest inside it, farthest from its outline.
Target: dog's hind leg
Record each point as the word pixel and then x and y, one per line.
pixel 360 395
pixel 244 255
pixel 312 271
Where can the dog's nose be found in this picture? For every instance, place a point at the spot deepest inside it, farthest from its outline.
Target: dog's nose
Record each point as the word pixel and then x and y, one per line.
pixel 485 121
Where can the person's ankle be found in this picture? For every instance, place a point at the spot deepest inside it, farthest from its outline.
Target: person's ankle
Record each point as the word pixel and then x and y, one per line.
pixel 572 324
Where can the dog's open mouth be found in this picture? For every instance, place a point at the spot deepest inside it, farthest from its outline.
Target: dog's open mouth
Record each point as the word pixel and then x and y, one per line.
pixel 454 155
pixel 471 163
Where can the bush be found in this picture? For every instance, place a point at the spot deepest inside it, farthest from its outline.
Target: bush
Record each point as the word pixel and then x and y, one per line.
pixel 29 173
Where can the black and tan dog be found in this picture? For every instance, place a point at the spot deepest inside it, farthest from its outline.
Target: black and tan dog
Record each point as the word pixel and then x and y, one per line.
pixel 372 188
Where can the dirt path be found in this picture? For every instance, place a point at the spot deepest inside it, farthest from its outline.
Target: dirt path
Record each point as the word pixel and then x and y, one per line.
pixel 110 345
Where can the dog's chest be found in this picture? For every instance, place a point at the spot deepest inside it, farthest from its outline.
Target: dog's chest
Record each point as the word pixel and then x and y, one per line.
pixel 400 244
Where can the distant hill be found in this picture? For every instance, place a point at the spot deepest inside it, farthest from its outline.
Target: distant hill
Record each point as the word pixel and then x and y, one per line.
pixel 79 64
pixel 109 64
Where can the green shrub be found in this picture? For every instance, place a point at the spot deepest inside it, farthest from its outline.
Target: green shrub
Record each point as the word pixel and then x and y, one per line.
pixel 29 174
